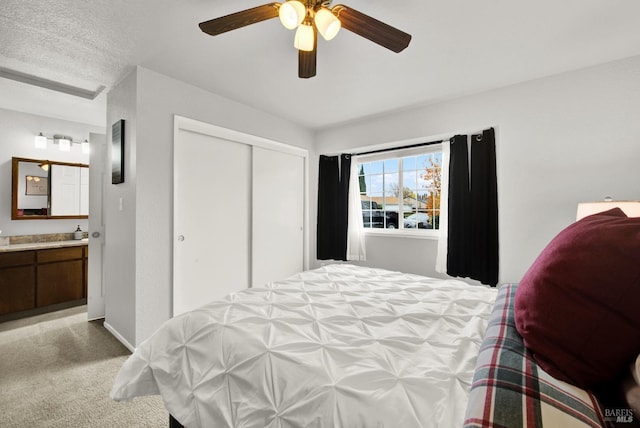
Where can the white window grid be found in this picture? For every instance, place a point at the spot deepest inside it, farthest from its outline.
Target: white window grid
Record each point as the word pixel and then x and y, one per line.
pixel 387 174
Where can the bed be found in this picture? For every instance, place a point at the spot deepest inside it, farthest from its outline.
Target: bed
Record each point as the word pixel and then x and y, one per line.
pixel 350 346
pixel 338 346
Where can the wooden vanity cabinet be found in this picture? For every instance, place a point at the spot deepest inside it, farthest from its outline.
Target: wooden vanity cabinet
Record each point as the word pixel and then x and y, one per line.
pixel 60 275
pixel 17 279
pixel 39 278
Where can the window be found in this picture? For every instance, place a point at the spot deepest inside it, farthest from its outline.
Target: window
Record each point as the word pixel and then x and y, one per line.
pixel 401 189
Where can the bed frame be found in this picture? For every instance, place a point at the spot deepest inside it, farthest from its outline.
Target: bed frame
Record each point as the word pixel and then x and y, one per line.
pixel 173 423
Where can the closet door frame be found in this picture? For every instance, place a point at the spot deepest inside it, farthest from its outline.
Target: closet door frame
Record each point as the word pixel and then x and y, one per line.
pixel 182 123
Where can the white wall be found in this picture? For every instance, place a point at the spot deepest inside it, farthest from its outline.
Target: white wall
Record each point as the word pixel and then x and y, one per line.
pixel 147 230
pixel 119 253
pixel 17 131
pixel 560 140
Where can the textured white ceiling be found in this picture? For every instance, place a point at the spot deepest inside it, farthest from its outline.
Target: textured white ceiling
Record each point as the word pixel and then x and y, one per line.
pixel 458 47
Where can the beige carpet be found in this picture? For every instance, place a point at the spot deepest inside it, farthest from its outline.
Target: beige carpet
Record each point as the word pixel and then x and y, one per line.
pixel 56 370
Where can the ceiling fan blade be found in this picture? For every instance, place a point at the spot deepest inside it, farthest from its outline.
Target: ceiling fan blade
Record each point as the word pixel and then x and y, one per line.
pixel 306 64
pixel 240 19
pixel 372 29
pixel 307 59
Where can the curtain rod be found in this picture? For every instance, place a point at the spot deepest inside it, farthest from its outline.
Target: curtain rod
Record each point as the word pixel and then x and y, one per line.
pixel 391 149
pixel 410 146
pixel 444 137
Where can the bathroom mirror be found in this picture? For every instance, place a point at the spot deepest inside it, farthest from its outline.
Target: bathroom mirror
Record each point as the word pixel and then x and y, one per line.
pixel 44 189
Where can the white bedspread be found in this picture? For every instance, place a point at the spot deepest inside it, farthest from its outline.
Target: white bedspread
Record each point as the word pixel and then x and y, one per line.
pixel 339 346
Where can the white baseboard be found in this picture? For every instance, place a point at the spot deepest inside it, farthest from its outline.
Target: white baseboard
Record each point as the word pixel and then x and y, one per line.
pixel 118 336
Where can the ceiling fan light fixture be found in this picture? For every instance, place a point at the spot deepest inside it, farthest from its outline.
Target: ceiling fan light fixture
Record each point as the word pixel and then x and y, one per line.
pixel 327 23
pixel 292 13
pixel 311 17
pixel 305 38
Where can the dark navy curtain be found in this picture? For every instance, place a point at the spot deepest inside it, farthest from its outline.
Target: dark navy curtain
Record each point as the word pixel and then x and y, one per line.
pixel 333 207
pixel 473 209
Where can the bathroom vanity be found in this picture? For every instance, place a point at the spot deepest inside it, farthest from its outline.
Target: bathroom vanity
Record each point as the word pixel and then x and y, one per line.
pixel 42 276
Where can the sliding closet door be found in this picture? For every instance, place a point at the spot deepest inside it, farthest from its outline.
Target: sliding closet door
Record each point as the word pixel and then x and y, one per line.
pixel 212 219
pixel 278 215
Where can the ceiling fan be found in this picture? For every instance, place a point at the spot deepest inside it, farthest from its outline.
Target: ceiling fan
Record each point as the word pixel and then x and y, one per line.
pixel 311 17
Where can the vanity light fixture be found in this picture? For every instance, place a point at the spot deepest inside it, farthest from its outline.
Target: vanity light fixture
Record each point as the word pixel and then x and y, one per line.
pixel 65 145
pixel 41 141
pixel 64 142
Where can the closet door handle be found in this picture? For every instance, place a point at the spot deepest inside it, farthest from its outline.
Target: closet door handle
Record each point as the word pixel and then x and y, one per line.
pixel 180 238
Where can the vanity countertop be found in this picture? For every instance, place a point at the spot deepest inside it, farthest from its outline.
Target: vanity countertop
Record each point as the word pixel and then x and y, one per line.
pixel 43 245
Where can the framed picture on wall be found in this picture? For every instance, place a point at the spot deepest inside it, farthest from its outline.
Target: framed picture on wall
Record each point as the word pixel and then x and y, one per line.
pixel 117 152
pixel 37 186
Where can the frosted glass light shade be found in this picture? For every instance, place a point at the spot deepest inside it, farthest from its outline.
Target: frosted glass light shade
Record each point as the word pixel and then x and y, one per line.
pixel 327 23
pixel 305 39
pixel 292 14
pixel 64 145
pixel 40 141
pixel 85 146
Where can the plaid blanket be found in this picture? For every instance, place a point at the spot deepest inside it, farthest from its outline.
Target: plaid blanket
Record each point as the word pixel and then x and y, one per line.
pixel 509 389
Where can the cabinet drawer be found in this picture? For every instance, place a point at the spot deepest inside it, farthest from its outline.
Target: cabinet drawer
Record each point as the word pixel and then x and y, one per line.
pixel 17 258
pixel 59 254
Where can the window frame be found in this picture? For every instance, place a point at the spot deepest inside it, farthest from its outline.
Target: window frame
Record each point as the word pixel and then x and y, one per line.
pixel 400 153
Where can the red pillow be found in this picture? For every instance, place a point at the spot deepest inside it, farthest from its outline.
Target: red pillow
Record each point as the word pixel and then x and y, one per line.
pixel 578 306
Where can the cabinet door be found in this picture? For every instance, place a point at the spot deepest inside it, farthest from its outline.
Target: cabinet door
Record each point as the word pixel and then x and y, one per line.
pixel 17 288
pixel 59 282
pixel 65 190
